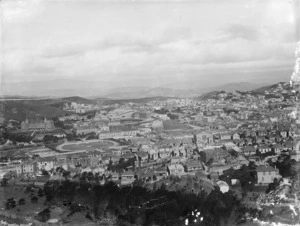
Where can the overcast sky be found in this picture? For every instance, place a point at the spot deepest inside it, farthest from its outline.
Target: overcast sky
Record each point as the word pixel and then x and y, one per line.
pixel 155 43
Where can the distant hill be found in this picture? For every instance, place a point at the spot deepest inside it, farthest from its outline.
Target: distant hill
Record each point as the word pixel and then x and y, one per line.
pixel 239 86
pixel 268 91
pixel 78 99
pixel 209 95
pixel 134 100
pixel 262 90
pixel 144 92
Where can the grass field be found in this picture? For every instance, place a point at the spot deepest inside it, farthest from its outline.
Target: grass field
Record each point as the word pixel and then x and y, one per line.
pixel 175 125
pixel 85 146
pixel 18 192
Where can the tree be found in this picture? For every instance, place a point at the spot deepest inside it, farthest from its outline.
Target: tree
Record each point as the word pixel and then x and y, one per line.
pixel 44 215
pixel 41 192
pixel 45 172
pixel 10 203
pixel 22 201
pixel 34 199
pixel 4 182
pixel 210 161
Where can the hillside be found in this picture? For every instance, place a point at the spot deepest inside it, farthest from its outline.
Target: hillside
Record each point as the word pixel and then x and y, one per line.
pixel 239 86
pixel 210 95
pixel 262 90
pixel 22 109
pixel 78 99
pixel 270 91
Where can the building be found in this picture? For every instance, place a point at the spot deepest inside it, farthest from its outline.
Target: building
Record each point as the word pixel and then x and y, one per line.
pixel 31 125
pixel 205 138
pixel 266 174
pixel 127 178
pixel 225 136
pixel 249 150
pixel 193 166
pixel 264 149
pixel 28 167
pixel 176 169
pixel 82 130
pixel 119 133
pixel 46 163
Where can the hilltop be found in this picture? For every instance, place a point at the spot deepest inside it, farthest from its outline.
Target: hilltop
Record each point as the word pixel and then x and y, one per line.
pixel 281 89
pixel 271 88
pixel 237 86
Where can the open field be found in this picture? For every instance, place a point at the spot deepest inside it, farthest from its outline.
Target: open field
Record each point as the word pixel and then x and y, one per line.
pixel 175 125
pixel 29 208
pixel 98 144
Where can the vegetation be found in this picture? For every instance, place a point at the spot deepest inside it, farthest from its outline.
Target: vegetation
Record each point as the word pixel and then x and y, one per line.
pixel 137 205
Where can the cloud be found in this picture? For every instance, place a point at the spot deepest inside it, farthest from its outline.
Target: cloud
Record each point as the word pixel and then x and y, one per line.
pixel 21 10
pixel 127 42
pixel 239 31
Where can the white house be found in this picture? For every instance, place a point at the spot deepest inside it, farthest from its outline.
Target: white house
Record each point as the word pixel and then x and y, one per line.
pixel 266 174
pixel 176 169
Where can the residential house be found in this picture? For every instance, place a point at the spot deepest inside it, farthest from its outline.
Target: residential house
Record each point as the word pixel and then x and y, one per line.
pixel 278 148
pixel 217 154
pixel 142 155
pixel 27 167
pixel 193 165
pixel 46 163
pixel 235 136
pixel 161 172
pixel 264 149
pixel 271 138
pixel 175 169
pixel 225 136
pixel 115 176
pixel 164 154
pixel 127 178
pixel 153 154
pixel 266 174
pixel 94 161
pixel 128 155
pixel 249 150
pixel 205 138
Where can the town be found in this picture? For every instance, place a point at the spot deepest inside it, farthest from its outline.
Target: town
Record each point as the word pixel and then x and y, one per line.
pixel 245 143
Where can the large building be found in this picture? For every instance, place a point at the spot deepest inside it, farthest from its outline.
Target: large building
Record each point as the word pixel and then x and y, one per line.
pixel 41 125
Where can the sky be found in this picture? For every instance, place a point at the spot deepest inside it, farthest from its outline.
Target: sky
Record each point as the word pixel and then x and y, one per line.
pixel 168 43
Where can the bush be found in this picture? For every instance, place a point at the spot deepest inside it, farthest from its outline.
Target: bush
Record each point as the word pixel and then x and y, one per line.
pixel 22 201
pixel 34 199
pixel 11 203
pixel 44 215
